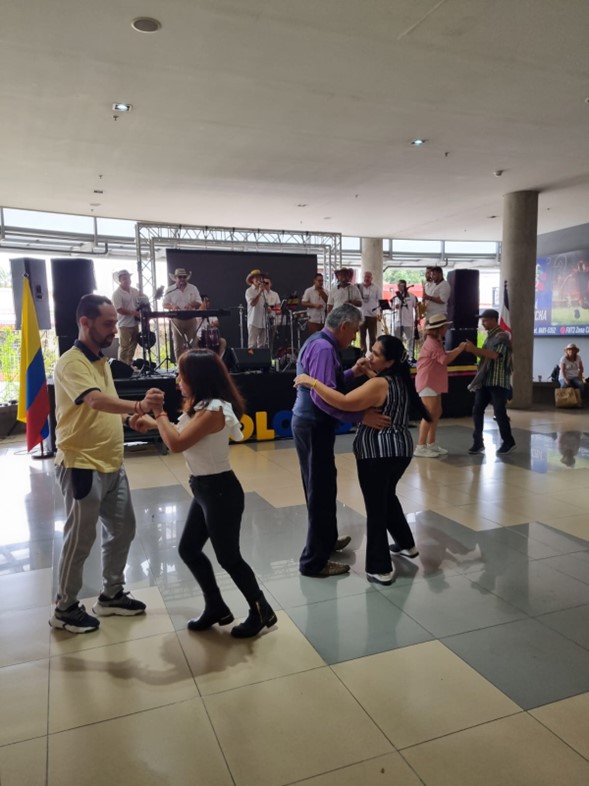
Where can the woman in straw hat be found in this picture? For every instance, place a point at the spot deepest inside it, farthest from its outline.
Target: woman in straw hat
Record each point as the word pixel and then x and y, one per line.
pixel 431 381
pixel 570 373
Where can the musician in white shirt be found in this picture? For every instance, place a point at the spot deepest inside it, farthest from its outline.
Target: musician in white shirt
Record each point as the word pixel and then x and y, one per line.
pixel 370 295
pixel 315 301
pixel 262 303
pixel 182 296
pixel 345 291
pixel 404 304
pixel 437 293
pixel 125 299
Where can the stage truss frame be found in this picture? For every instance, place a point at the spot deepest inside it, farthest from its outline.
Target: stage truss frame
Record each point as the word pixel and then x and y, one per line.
pixel 151 238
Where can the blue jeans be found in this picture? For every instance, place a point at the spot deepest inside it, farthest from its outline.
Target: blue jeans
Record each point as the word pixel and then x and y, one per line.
pixel 498 397
pixel 573 383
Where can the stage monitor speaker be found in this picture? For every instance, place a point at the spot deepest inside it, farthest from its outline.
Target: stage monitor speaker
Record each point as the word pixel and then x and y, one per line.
pixel 463 306
pixel 72 278
pixel 37 273
pixel 350 355
pixel 456 336
pixel 251 359
pixel 119 369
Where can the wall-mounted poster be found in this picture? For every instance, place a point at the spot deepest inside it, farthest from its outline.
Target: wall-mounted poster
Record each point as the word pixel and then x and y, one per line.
pixel 562 294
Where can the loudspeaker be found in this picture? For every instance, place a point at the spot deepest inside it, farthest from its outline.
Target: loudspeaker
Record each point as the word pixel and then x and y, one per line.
pixel 119 369
pixel 349 356
pixel 463 306
pixel 37 273
pixel 72 278
pixel 251 359
pixel 454 337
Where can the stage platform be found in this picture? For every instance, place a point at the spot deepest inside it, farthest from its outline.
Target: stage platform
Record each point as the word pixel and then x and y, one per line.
pixel 269 400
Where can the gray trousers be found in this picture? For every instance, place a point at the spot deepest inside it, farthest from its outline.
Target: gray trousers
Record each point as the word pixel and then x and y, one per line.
pixel 107 498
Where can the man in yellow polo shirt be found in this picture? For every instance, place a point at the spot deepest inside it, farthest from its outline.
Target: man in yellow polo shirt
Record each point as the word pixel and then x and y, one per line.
pixel 89 468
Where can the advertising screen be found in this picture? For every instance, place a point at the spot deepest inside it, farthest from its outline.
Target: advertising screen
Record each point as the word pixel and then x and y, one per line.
pixel 562 294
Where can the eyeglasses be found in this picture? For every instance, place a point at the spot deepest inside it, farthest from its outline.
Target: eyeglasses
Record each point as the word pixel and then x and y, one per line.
pixel 184 277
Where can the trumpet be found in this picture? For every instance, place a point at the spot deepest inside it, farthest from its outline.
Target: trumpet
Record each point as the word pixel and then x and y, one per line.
pixel 421 307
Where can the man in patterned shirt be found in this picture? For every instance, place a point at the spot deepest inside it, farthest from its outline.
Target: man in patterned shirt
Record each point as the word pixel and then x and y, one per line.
pixel 492 383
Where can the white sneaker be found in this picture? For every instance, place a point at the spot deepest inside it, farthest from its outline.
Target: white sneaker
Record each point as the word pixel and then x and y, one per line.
pixel 398 551
pixel 386 579
pixel 437 449
pixel 421 451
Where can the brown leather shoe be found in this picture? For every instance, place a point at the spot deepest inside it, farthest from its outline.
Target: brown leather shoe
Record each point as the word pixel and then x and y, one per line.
pixel 330 569
pixel 342 543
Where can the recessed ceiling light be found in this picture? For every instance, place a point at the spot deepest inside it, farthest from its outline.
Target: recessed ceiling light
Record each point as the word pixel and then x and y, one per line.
pixel 418 142
pixel 145 24
pixel 120 106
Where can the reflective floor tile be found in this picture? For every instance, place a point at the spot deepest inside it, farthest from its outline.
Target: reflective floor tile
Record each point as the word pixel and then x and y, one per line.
pixel 536 590
pixel 571 623
pixel 515 750
pixel 28 757
pixel 559 541
pixel 575 565
pixel 169 745
pixel 390 769
pixel 24 635
pixel 569 720
pixel 302 590
pixel 106 682
pixel 528 661
pixel 576 526
pixel 450 604
pixel 291 728
pixel 357 625
pixel 283 496
pixel 220 662
pixel 421 692
pixel 24 689
pixel 25 590
pixel 114 630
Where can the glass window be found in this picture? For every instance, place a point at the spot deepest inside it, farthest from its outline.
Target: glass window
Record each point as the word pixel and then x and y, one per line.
pixel 115 227
pixel 417 246
pixel 59 222
pixel 351 243
pixel 469 247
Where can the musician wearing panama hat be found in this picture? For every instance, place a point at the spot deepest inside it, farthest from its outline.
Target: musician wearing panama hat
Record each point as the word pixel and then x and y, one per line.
pixel 261 301
pixel 182 296
pixel 125 299
pixel 431 381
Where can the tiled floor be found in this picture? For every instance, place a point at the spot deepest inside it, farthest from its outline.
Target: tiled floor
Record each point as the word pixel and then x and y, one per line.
pixel 472 669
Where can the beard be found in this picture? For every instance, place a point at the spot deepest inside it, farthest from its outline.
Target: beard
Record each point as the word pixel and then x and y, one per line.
pixel 101 341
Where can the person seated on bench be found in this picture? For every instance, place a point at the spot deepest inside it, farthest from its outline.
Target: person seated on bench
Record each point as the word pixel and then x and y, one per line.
pixel 571 368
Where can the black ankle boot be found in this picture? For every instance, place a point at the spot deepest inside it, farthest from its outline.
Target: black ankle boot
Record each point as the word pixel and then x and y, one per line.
pixel 260 616
pixel 214 614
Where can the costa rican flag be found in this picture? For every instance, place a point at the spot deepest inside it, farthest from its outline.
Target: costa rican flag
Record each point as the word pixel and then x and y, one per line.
pixel 504 318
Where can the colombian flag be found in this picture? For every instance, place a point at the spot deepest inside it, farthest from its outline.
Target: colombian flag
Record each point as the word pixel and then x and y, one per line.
pixel 33 400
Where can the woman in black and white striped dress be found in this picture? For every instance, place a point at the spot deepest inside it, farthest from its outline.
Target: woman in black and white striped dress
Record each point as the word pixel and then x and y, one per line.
pixel 381 456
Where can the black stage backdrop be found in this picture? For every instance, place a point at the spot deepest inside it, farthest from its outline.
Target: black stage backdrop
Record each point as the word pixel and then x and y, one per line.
pixel 221 276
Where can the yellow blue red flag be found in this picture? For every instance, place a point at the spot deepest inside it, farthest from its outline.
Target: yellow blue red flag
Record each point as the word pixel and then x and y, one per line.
pixel 33 400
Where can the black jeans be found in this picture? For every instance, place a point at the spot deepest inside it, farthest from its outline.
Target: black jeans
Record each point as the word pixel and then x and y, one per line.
pixel 378 481
pixel 215 513
pixel 315 442
pixel 498 397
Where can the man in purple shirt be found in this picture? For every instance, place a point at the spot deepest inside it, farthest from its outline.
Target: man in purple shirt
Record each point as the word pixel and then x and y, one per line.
pixel 314 424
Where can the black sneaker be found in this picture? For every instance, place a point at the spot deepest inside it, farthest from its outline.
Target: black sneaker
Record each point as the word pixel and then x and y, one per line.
pixel 123 605
pixel 505 448
pixel 474 449
pixel 75 619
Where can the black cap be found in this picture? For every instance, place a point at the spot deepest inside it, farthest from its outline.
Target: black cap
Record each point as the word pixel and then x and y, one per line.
pixel 489 313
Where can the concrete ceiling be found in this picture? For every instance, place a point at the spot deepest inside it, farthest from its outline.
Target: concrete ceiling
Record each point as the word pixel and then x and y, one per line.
pixel 245 110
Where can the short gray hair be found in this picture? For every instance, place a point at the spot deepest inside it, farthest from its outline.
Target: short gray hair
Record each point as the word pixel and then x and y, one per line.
pixel 346 313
